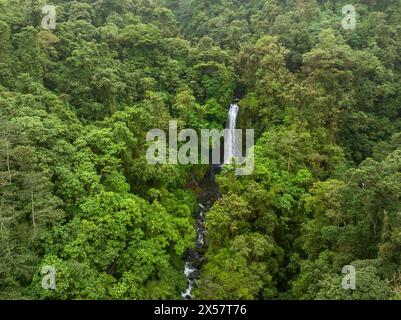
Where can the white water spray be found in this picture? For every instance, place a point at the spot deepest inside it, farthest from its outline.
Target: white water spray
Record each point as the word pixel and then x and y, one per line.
pixel 230 151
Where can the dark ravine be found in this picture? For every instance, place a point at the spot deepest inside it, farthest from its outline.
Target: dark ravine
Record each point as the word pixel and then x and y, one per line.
pixel 208 194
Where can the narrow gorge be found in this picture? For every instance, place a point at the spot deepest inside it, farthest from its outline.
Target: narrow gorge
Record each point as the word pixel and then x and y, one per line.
pixel 206 197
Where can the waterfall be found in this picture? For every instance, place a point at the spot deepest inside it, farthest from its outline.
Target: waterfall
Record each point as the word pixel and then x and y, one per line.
pixel 229 141
pixel 207 197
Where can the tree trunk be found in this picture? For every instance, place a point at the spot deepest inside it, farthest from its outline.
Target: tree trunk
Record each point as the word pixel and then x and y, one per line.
pixel 1 226
pixel 33 213
pixel 8 162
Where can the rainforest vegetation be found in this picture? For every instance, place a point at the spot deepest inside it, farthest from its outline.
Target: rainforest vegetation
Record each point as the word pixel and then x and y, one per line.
pixel 76 190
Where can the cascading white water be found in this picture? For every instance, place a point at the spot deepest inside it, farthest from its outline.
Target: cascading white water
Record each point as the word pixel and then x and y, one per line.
pixel 190 271
pixel 229 141
pixel 191 268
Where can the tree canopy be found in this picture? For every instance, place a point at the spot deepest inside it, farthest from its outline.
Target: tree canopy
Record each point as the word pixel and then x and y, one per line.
pixel 77 192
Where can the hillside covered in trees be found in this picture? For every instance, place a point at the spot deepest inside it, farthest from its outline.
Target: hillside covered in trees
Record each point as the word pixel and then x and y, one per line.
pixel 77 192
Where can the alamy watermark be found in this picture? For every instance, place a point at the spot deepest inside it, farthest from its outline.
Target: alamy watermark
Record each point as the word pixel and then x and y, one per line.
pixel 349 20
pixel 189 153
pixel 49 19
pixel 349 280
pixel 49 278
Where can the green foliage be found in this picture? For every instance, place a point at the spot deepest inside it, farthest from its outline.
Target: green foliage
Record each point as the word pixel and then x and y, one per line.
pixel 76 190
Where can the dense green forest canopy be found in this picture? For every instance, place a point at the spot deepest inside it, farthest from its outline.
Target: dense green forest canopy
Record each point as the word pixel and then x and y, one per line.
pixel 77 193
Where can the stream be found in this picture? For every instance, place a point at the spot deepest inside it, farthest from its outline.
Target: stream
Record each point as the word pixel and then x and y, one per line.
pixel 208 195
